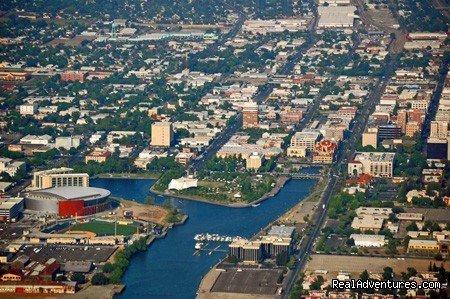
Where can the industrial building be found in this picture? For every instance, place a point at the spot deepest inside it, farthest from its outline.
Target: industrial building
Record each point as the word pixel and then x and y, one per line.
pixel 336 16
pixel 68 201
pixel 368 240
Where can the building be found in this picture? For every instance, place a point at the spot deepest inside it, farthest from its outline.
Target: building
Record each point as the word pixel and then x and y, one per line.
pixel 38 287
pixel 28 109
pixel 11 209
pixel 370 137
pixel 373 163
pixel 68 201
pixel 368 223
pixel 273 246
pixel 36 140
pixel 67 142
pixel 368 240
pixel 336 16
pixel 306 139
pixel 437 148
pixel 14 76
pixel 184 158
pixel 292 116
pixel 255 161
pixel 296 152
pixel 412 128
pixel 59 177
pixel 439 129
pixel 162 134
pixel 324 151
pixel 389 132
pixel 73 76
pixel 250 115
pixel 98 155
pixel 182 184
pixel 11 167
pixel 423 245
pixel 246 251
pixel 374 211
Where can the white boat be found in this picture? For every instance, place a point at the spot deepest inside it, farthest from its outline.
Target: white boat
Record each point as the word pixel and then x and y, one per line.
pixel 256 205
pixel 198 246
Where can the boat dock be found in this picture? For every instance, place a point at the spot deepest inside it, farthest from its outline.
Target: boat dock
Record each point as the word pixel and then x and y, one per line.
pixel 215 238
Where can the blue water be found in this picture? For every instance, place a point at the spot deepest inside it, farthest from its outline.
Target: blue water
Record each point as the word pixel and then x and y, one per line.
pixel 169 269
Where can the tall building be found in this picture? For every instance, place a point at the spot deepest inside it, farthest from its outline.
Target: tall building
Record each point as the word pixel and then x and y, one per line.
pixel 250 113
pixel 59 177
pixel 389 132
pixel 402 119
pixel 162 134
pixel 439 129
pixel 370 137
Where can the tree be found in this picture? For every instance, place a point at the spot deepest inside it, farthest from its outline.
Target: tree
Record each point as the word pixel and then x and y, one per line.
pixel 108 267
pixel 115 276
pixel 388 273
pixel 78 277
pixel 364 275
pixel 99 279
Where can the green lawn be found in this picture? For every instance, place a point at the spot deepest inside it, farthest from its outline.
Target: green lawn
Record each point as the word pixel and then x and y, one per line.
pixel 105 228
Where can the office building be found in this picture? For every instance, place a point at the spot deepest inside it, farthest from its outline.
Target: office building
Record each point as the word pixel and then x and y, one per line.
pixel 389 132
pixel 439 129
pixel 306 139
pixel 59 177
pixel 255 161
pixel 370 137
pixel 162 134
pixel 437 148
pixel 11 209
pixel 250 115
pixel 373 163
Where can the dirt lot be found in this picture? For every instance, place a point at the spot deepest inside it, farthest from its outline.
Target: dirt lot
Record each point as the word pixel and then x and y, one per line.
pixel 357 264
pixel 149 213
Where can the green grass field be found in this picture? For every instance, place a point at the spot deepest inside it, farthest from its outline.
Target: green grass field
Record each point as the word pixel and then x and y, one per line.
pixel 104 228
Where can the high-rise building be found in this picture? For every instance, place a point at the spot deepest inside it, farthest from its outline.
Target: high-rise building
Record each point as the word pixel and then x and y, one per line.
pixel 389 132
pixel 412 128
pixel 402 119
pixel 162 134
pixel 439 129
pixel 250 113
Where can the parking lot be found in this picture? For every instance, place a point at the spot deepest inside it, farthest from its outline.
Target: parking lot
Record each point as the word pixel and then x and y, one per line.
pixel 63 253
pixel 8 232
pixel 247 281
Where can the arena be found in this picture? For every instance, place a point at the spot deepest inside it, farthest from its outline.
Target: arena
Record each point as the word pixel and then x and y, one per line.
pixel 68 201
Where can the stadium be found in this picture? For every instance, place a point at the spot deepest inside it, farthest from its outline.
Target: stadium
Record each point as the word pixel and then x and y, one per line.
pixel 68 201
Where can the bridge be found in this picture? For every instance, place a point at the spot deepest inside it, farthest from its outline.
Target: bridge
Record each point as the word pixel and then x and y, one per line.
pixel 296 176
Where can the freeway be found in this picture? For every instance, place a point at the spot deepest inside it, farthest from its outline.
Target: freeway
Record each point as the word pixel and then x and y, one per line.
pixel 345 151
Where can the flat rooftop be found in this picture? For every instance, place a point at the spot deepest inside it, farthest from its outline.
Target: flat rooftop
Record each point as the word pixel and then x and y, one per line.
pixel 247 281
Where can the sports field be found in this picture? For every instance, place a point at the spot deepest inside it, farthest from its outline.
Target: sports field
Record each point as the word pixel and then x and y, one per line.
pixel 104 228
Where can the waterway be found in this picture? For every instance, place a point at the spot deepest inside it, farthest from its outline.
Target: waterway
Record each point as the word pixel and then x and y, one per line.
pixel 171 268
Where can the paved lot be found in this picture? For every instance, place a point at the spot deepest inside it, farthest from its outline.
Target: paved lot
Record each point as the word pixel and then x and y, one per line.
pixel 439 215
pixel 261 282
pixel 357 264
pixel 8 232
pixel 63 253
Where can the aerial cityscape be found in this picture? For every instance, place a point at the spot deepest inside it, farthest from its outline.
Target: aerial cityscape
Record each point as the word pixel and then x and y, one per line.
pixel 225 149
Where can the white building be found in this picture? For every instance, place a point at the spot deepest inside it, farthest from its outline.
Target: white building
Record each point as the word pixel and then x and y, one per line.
pixel 336 16
pixel 182 183
pixel 368 240
pixel 67 142
pixel 11 167
pixel 36 140
pixel 28 109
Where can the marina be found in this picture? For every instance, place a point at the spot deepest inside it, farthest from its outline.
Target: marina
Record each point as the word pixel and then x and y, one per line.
pixel 173 267
pixel 216 238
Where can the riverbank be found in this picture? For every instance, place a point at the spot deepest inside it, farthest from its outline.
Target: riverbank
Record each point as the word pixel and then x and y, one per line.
pixel 293 216
pixel 281 181
pixel 137 176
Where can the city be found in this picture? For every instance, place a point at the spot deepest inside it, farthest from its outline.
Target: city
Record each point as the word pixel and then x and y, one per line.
pixel 224 149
